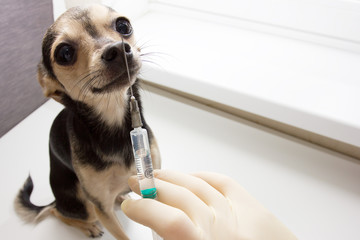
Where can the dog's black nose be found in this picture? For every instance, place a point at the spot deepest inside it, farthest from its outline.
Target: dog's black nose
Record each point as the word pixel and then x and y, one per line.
pixel 115 52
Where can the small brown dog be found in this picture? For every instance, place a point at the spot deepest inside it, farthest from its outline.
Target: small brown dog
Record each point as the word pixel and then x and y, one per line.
pixel 83 67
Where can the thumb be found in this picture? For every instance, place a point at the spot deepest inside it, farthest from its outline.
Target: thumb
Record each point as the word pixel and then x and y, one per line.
pixel 169 222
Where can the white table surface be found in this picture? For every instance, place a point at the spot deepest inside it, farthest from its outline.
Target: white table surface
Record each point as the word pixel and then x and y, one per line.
pixel 315 192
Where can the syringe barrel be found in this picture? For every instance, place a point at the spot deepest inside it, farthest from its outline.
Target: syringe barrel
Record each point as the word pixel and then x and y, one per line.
pixel 143 162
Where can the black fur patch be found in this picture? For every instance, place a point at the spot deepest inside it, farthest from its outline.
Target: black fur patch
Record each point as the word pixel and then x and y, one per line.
pixel 64 184
pixel 59 143
pixel 48 41
pixel 24 196
pixel 83 17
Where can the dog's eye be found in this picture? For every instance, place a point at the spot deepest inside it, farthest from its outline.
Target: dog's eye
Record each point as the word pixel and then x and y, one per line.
pixel 65 54
pixel 123 26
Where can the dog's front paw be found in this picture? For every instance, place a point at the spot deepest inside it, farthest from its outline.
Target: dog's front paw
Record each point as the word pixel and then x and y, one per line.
pixel 93 230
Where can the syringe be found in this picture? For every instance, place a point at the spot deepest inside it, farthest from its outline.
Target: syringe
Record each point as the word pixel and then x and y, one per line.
pixel 142 155
pixel 141 150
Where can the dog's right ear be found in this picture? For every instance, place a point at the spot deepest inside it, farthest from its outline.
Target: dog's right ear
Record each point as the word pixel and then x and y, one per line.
pixel 51 87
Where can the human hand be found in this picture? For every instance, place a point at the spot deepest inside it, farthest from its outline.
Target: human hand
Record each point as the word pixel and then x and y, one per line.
pixel 203 206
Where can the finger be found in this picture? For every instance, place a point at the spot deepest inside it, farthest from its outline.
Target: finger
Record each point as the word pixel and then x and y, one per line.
pixel 169 222
pixel 134 184
pixel 209 195
pixel 182 198
pixel 178 197
pixel 227 186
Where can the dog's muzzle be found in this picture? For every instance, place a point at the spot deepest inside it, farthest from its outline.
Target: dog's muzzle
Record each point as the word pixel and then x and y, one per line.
pixel 114 53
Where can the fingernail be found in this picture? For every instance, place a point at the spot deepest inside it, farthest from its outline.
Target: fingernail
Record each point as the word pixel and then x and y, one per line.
pixel 125 204
pixel 132 181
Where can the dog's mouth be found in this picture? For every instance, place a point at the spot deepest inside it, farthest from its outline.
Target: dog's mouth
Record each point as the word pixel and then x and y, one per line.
pixel 118 82
pixel 114 84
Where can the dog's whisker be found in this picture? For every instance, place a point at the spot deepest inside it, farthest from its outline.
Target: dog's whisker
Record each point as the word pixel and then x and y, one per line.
pixel 155 54
pixel 94 80
pixel 88 74
pixel 144 44
pixel 150 48
pixel 154 63
pixel 86 88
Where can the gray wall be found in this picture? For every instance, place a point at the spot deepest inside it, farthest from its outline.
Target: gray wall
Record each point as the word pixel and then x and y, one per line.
pixel 22 26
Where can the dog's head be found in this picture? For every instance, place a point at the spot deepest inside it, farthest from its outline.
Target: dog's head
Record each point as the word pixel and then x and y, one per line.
pixel 83 55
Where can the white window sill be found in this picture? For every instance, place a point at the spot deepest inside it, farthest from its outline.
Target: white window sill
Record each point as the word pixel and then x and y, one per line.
pixel 305 85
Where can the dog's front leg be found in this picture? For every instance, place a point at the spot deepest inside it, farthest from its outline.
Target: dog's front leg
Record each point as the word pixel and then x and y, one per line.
pixel 103 194
pixel 101 187
pixel 108 218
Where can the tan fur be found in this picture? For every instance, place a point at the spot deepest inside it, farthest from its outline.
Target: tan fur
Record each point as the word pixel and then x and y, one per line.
pixel 90 229
pixel 114 178
pixel 51 88
pixel 110 110
pixel 23 212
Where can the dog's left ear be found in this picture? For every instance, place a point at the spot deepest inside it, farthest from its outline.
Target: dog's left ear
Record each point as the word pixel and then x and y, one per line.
pixel 50 86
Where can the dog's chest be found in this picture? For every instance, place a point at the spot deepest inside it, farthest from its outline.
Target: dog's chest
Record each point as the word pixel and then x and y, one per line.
pixel 114 179
pixel 108 182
